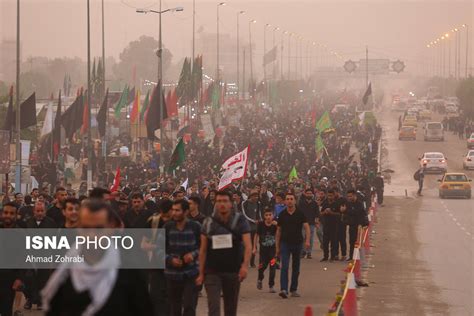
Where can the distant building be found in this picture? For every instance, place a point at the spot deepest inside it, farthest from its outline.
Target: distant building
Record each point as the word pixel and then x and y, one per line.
pixel 8 60
pixel 206 44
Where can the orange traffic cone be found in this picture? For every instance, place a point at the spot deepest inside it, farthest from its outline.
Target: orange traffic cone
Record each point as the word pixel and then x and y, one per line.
pixel 356 258
pixel 350 301
pixel 308 311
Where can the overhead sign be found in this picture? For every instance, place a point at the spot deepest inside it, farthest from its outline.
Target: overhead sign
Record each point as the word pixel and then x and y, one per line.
pixel 350 66
pixel 375 66
pixel 398 66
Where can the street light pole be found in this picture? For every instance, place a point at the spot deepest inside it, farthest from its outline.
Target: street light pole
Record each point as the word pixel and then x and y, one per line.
pixel 159 83
pixel 467 48
pixel 274 62
pixel 88 98
pixel 17 99
pixel 217 60
pixel 238 54
pixel 250 48
pixel 289 54
pixel 103 50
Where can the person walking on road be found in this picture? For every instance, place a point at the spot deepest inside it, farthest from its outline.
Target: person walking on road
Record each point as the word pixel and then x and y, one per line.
pixel 379 188
pixel 265 239
pixel 224 256
pixel 310 209
pixel 330 216
pixel 289 242
pixel 420 177
pixel 354 216
pixel 183 237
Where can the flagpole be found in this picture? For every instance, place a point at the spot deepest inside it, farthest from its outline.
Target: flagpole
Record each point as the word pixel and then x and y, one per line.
pixel 89 134
pixel 17 115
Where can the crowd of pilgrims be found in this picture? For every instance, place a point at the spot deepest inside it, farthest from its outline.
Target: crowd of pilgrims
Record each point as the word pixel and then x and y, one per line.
pixel 280 139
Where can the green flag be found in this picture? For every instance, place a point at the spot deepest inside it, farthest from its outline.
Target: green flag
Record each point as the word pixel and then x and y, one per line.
pixel 216 95
pixel 293 175
pixel 178 156
pixel 145 105
pixel 122 102
pixel 319 144
pixel 324 122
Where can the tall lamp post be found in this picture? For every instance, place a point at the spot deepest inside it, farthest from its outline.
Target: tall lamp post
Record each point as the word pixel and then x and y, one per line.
pixel 265 51
pixel 238 54
pixel 274 62
pixel 159 82
pixel 17 99
pixel 250 48
pixel 467 48
pixel 217 60
pixel 89 134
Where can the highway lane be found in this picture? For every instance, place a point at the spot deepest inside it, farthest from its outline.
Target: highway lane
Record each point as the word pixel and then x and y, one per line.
pixel 444 228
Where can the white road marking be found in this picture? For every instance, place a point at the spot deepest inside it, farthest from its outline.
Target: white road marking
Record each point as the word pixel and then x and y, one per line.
pixel 456 221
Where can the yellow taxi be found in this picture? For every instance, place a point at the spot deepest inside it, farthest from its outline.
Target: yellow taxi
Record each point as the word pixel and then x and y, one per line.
pixel 410 121
pixel 455 185
pixel 407 132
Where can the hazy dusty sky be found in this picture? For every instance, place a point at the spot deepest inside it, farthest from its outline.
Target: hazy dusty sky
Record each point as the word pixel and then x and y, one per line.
pixel 391 28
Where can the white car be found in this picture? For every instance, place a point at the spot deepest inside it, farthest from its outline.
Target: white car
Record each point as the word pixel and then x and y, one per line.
pixel 470 141
pixel 468 162
pixel 435 161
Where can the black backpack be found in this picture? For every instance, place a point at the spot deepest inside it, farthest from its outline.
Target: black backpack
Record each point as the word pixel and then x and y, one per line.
pixel 416 175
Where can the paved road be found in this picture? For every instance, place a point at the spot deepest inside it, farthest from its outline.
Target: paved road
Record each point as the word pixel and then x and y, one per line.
pixel 423 259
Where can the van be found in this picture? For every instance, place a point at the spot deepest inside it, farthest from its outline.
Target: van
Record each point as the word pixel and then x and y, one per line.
pixel 433 131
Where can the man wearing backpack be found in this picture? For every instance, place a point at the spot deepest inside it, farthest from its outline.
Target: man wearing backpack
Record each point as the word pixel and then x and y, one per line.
pixel 420 177
pixel 224 255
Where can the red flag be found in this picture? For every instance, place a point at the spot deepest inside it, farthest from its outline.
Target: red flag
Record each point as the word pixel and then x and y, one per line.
pixel 168 103
pixel 116 183
pixel 172 103
pixel 85 118
pixel 135 107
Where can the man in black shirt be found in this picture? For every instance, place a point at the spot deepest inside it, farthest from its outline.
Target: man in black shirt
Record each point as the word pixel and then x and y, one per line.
pixel 310 209
pixel 224 256
pixel 289 242
pixel 354 216
pixel 265 238
pixel 194 214
pixel 10 279
pixel 341 227
pixel 330 217
pixel 132 218
pixel 56 211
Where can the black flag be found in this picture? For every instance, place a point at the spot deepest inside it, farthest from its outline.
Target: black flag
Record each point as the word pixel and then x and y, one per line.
pixel 102 115
pixel 72 117
pixel 367 93
pixel 27 112
pixel 153 119
pixel 57 129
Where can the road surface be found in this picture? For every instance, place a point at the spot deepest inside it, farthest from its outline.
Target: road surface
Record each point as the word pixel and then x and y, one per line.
pixel 423 255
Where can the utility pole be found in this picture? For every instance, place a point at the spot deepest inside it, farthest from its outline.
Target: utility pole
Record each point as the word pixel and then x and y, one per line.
pixel 289 54
pixel 17 98
pixel 89 105
pixel 467 49
pixel 366 66
pixel 243 73
pixel 103 51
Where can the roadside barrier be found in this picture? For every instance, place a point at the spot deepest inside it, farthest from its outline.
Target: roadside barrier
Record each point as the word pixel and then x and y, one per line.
pixel 345 303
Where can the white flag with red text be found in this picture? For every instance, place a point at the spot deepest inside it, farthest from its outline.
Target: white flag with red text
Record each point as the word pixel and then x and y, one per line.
pixel 234 168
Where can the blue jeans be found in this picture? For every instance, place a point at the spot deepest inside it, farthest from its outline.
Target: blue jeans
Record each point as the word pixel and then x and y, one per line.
pixel 312 229
pixel 287 250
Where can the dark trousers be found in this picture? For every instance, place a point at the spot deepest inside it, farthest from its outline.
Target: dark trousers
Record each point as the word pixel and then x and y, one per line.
pixel 353 229
pixel 330 237
pixel 287 251
pixel 229 285
pixel 420 185
pixel 266 256
pixel 182 297
pixel 7 295
pixel 341 238
pixel 35 280
pixel 380 196
pixel 158 293
pixel 252 258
